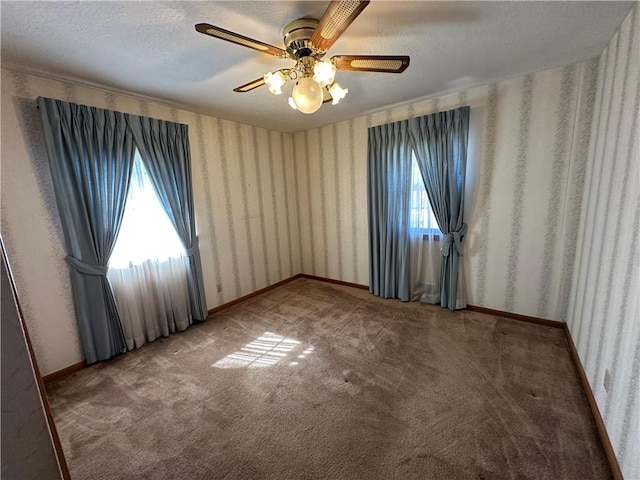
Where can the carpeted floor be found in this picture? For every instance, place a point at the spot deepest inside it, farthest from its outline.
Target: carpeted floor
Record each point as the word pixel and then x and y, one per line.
pixel 313 380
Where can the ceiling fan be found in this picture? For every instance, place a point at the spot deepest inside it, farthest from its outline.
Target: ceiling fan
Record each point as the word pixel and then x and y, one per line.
pixel 306 42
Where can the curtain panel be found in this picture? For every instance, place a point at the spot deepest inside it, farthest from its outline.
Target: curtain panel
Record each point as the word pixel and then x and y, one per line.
pixel 164 149
pixel 389 195
pixel 153 299
pixel 425 241
pixel 396 245
pixel 91 153
pixel 439 142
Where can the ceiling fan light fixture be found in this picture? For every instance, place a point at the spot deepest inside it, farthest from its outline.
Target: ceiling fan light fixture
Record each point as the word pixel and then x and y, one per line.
pixel 337 93
pixel 306 41
pixel 324 72
pixel 307 95
pixel 275 81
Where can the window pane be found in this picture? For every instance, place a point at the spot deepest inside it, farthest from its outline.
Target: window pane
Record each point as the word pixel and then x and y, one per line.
pixel 422 215
pixel 146 232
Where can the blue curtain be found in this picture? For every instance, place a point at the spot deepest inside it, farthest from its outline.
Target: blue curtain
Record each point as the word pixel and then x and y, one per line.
pixel 389 193
pixel 440 145
pixel 164 149
pixel 91 154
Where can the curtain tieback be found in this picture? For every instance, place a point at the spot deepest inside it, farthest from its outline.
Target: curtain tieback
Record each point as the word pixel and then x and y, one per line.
pixel 193 249
pixel 87 268
pixel 454 239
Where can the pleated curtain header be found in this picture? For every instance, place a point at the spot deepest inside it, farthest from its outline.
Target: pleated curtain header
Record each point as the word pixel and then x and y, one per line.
pixel 75 108
pixel 453 115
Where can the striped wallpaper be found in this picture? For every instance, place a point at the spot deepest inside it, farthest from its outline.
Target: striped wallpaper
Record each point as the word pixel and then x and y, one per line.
pixel 527 140
pixel 552 209
pixel 244 193
pixel 603 315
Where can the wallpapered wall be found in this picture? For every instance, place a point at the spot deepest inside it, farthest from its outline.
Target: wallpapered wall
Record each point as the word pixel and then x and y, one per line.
pixel 27 448
pixel 527 141
pixel 247 227
pixel 603 314
pixel 310 214
pixel 552 207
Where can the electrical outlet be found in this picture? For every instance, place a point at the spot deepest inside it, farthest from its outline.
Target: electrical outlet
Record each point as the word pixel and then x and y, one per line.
pixel 607 380
pixel 219 287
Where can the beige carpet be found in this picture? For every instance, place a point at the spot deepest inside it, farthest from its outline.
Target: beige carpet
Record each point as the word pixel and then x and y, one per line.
pixel 313 380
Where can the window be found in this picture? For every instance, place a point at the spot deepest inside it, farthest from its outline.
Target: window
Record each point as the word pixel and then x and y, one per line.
pixel 148 269
pixel 146 232
pixel 422 215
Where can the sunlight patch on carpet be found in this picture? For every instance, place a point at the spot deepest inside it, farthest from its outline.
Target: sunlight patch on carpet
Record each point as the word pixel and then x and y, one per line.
pixel 265 351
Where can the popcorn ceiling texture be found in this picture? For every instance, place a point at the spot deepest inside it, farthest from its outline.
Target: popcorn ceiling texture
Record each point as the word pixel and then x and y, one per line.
pixel 453 46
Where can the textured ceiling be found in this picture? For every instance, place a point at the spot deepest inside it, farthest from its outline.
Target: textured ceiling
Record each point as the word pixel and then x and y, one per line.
pixel 151 49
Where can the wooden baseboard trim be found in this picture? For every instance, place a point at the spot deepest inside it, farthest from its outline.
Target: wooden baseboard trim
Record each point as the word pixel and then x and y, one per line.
pixel 238 300
pixel 224 306
pixel 595 411
pixel 64 372
pixel 516 316
pixel 474 308
pixel 80 365
pixel 337 282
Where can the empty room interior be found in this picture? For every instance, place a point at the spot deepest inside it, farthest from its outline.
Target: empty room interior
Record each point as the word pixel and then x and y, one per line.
pixel 313 239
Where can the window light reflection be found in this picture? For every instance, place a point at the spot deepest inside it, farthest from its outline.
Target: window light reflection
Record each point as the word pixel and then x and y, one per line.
pixel 264 351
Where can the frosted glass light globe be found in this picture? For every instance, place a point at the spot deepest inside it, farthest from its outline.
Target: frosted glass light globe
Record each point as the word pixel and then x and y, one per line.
pixel 274 82
pixel 337 93
pixel 307 95
pixel 324 72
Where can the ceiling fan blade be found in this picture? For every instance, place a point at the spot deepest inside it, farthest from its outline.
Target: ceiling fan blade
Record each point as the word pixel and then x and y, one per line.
pixel 335 20
pixel 238 39
pixel 258 82
pixel 372 63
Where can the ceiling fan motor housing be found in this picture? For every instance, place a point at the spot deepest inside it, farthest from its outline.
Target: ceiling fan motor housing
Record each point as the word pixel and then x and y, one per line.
pixel 296 37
